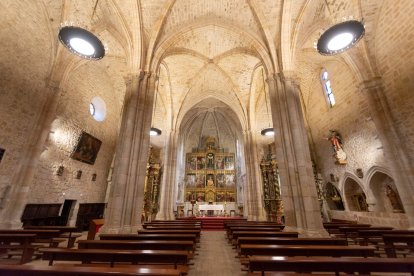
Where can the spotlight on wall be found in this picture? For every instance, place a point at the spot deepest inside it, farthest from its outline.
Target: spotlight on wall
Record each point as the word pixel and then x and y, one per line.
pixel 155 131
pixel 81 42
pixel 268 131
pixel 340 37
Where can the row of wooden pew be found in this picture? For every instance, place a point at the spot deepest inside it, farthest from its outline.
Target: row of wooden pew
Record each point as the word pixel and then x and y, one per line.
pixel 26 242
pixel 264 247
pixel 387 241
pixel 160 249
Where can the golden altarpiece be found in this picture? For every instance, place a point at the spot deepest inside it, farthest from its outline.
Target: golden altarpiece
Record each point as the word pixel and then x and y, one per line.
pixel 152 187
pixel 271 187
pixel 210 174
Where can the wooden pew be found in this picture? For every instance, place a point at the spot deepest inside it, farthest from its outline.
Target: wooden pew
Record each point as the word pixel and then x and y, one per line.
pixel 290 241
pixel 65 232
pixel 250 223
pixel 256 229
pixel 188 246
pixel 307 250
pixel 31 270
pixel 149 225
pixel 23 242
pixel 329 264
pixel 50 237
pixel 172 227
pixel 196 232
pixel 167 257
pixel 238 234
pixel 174 237
pixel 395 244
pixel 351 232
pixel 333 229
pixel 374 237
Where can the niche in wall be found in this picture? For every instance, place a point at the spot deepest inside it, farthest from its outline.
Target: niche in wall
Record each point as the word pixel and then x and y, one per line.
pixel 385 193
pixel 333 197
pixel 355 196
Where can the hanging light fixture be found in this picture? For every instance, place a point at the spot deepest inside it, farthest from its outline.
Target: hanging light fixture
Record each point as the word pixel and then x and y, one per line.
pixel 81 42
pixel 269 131
pixel 155 131
pixel 341 36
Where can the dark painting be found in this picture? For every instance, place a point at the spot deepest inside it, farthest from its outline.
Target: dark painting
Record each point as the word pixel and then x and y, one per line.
pixel 87 148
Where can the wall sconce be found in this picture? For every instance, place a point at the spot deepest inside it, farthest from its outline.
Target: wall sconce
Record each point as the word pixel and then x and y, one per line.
pixel 94 177
pixel 60 170
pixel 79 174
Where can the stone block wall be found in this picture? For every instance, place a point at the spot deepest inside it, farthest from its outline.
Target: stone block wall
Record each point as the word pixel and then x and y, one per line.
pixel 73 117
pixel 350 118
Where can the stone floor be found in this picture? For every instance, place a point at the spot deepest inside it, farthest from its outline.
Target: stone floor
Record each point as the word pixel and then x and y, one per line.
pixel 215 257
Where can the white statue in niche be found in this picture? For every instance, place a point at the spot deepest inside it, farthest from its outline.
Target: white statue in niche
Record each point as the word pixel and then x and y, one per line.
pixel 180 194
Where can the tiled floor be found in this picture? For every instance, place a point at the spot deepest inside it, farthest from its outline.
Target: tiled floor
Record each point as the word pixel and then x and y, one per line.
pixel 215 257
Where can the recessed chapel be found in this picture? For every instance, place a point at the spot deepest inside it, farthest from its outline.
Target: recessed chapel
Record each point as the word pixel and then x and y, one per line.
pixel 209 79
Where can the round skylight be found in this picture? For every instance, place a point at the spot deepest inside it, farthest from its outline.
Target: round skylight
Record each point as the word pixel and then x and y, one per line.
pixel 97 108
pixel 82 46
pixel 81 42
pixel 340 41
pixel 155 131
pixel 268 132
pixel 340 37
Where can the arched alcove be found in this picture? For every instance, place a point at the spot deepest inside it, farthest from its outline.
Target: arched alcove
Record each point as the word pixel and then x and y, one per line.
pixel 211 164
pixel 355 196
pixel 333 197
pixel 385 193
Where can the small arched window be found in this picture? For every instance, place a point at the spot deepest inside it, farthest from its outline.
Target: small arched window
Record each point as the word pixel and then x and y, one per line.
pixel 326 83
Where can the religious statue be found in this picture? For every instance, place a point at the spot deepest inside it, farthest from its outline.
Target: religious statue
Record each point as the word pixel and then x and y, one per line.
pixel 336 141
pixel 394 200
pixel 210 182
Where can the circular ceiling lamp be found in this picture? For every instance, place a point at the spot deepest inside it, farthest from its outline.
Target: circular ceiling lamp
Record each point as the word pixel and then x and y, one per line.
pixel 155 131
pixel 340 37
pixel 268 131
pixel 81 42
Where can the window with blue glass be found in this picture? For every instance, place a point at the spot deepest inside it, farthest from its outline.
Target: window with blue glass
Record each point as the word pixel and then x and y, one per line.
pixel 326 83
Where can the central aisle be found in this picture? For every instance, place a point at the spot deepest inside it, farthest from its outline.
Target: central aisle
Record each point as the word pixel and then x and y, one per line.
pixel 215 257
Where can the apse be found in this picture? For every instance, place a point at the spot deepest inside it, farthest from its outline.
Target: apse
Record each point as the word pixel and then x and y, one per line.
pixel 211 169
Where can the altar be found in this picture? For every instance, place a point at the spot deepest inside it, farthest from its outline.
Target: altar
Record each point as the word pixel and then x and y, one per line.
pixel 211 207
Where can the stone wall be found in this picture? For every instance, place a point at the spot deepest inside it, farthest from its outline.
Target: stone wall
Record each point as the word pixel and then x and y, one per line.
pixel 395 61
pixel 73 117
pixel 350 118
pixel 23 68
pixel 374 218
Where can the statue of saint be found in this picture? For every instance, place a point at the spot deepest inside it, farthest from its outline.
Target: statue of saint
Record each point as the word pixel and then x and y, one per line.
pixel 210 182
pixel 394 200
pixel 336 142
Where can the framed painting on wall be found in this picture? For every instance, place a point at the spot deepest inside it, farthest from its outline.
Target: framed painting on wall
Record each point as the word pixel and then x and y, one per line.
pixel 87 148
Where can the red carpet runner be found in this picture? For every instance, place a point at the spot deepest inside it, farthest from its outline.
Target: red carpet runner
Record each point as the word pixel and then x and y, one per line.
pixel 211 223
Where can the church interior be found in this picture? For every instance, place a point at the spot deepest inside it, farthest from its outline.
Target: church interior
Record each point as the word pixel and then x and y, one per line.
pixel 207 113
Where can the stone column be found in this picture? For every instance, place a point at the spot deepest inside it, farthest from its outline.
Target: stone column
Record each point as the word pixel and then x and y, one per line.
pixel 168 186
pixel 393 144
pixel 125 204
pixel 23 177
pixel 255 210
pixel 298 189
